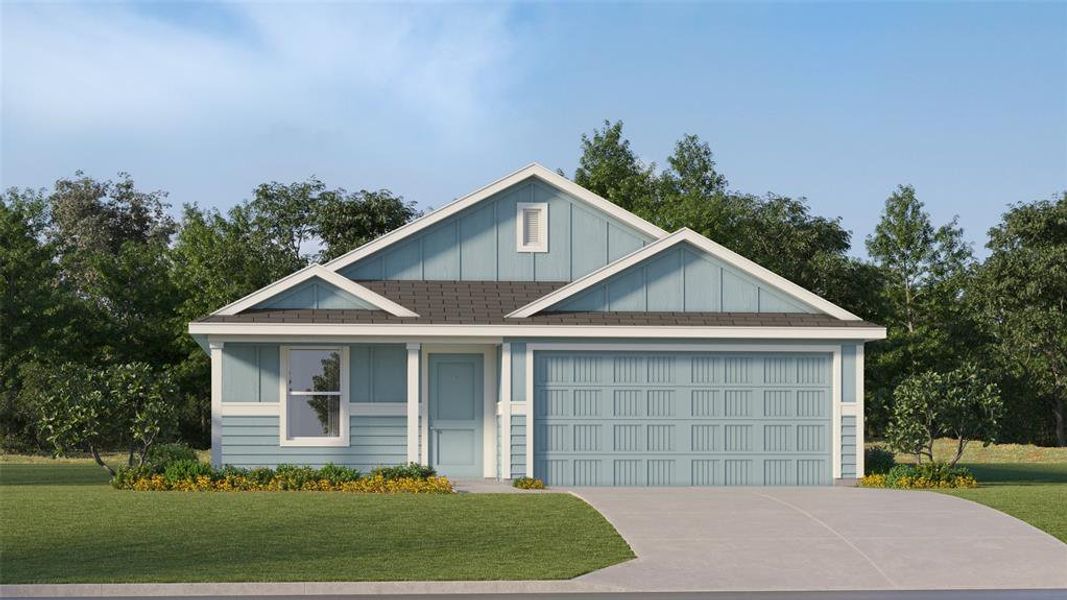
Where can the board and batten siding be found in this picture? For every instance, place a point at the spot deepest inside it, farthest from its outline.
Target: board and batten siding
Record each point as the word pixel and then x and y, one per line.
pixel 479 243
pixel 373 441
pixel 377 373
pixel 682 279
pixel 315 294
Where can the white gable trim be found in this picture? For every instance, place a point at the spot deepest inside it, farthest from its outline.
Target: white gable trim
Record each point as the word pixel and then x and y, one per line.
pixel 685 235
pixel 311 272
pixel 533 170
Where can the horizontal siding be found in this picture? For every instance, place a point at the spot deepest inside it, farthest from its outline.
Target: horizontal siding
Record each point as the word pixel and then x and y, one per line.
pixel 518 446
pixel 374 441
pixel 848 446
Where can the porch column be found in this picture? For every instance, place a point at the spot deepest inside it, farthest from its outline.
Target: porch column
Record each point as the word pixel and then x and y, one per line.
pixel 504 412
pixel 414 351
pixel 216 402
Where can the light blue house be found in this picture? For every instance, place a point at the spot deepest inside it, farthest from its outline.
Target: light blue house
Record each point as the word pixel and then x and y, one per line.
pixel 534 328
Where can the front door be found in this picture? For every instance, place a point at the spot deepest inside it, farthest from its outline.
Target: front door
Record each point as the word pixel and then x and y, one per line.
pixel 456 406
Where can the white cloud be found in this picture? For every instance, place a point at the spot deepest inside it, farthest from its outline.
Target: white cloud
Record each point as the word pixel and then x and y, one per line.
pixel 88 69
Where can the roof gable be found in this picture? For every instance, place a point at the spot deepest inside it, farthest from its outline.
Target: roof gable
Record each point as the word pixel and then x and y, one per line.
pixel 315 294
pixel 473 237
pixel 318 286
pixel 683 272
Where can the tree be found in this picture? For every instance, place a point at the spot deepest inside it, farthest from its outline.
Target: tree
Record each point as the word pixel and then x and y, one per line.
pixel 925 273
pixel 777 232
pixel 346 221
pixel 34 311
pixel 285 213
pixel 609 167
pixel 120 406
pixel 959 404
pixel 1023 293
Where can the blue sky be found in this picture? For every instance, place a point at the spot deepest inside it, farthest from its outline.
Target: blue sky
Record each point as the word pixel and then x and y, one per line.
pixel 836 102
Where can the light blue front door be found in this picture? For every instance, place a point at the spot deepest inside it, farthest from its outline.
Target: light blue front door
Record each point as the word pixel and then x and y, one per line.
pixel 456 406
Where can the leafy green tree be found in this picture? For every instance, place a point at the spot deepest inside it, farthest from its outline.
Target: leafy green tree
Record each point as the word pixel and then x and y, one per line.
pixel 777 232
pixel 925 272
pixel 346 221
pixel 35 312
pixel 286 212
pixel 81 408
pixel 1023 292
pixel 959 404
pixel 609 167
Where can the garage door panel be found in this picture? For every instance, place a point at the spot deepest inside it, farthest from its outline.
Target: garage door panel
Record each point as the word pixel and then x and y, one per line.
pixel 682 419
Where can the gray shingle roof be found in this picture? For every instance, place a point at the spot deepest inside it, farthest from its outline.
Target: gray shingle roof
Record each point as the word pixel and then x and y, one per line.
pixel 486 303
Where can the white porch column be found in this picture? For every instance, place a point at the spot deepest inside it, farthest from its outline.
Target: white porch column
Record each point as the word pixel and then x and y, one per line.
pixel 216 402
pixel 504 412
pixel 529 411
pixel 414 351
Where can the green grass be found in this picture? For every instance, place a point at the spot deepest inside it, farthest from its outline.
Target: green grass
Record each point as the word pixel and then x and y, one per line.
pixel 63 524
pixel 1035 493
pixel 975 453
pixel 1025 481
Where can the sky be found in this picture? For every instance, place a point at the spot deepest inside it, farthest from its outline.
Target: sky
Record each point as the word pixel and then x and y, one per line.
pixel 835 102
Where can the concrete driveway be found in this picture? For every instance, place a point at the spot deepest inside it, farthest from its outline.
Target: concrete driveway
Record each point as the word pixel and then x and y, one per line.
pixel 820 539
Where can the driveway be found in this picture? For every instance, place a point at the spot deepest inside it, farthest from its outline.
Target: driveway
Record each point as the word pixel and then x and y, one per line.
pixel 820 539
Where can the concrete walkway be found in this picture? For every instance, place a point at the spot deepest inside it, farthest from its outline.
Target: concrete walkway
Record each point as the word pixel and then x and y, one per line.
pixel 820 539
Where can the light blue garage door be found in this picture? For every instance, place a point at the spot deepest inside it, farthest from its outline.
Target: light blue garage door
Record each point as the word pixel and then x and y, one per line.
pixel 682 419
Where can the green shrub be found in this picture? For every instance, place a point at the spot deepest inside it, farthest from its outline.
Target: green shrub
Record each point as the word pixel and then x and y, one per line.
pixel 878 460
pixel 183 470
pixel 337 474
pixel 291 477
pixel 528 483
pixel 924 476
pixel 161 455
pixel 126 476
pixel 408 471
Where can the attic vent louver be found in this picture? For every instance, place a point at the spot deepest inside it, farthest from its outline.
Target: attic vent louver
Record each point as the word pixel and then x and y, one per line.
pixel 532 227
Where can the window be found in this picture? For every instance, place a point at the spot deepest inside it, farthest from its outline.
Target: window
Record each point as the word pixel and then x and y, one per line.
pixel 531 230
pixel 316 402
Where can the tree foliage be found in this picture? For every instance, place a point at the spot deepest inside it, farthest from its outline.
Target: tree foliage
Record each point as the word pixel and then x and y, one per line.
pixel 1022 289
pixel 93 410
pixel 925 272
pixel 959 404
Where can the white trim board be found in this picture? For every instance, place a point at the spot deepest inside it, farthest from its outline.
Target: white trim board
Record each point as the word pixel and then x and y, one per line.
pixel 489 400
pixel 389 332
pixel 685 235
pixel 310 272
pixel 532 170
pixel 837 407
pixel 273 409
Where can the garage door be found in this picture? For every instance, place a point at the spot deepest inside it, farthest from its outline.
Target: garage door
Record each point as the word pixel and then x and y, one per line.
pixel 682 419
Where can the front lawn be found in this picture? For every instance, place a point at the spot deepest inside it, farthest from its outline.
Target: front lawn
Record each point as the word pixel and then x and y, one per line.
pixel 64 524
pixel 1025 481
pixel 1035 493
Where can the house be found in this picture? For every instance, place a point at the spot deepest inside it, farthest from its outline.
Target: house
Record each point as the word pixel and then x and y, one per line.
pixel 534 328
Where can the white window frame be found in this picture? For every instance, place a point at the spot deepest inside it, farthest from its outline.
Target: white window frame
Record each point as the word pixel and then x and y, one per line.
pixel 342 440
pixel 520 226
